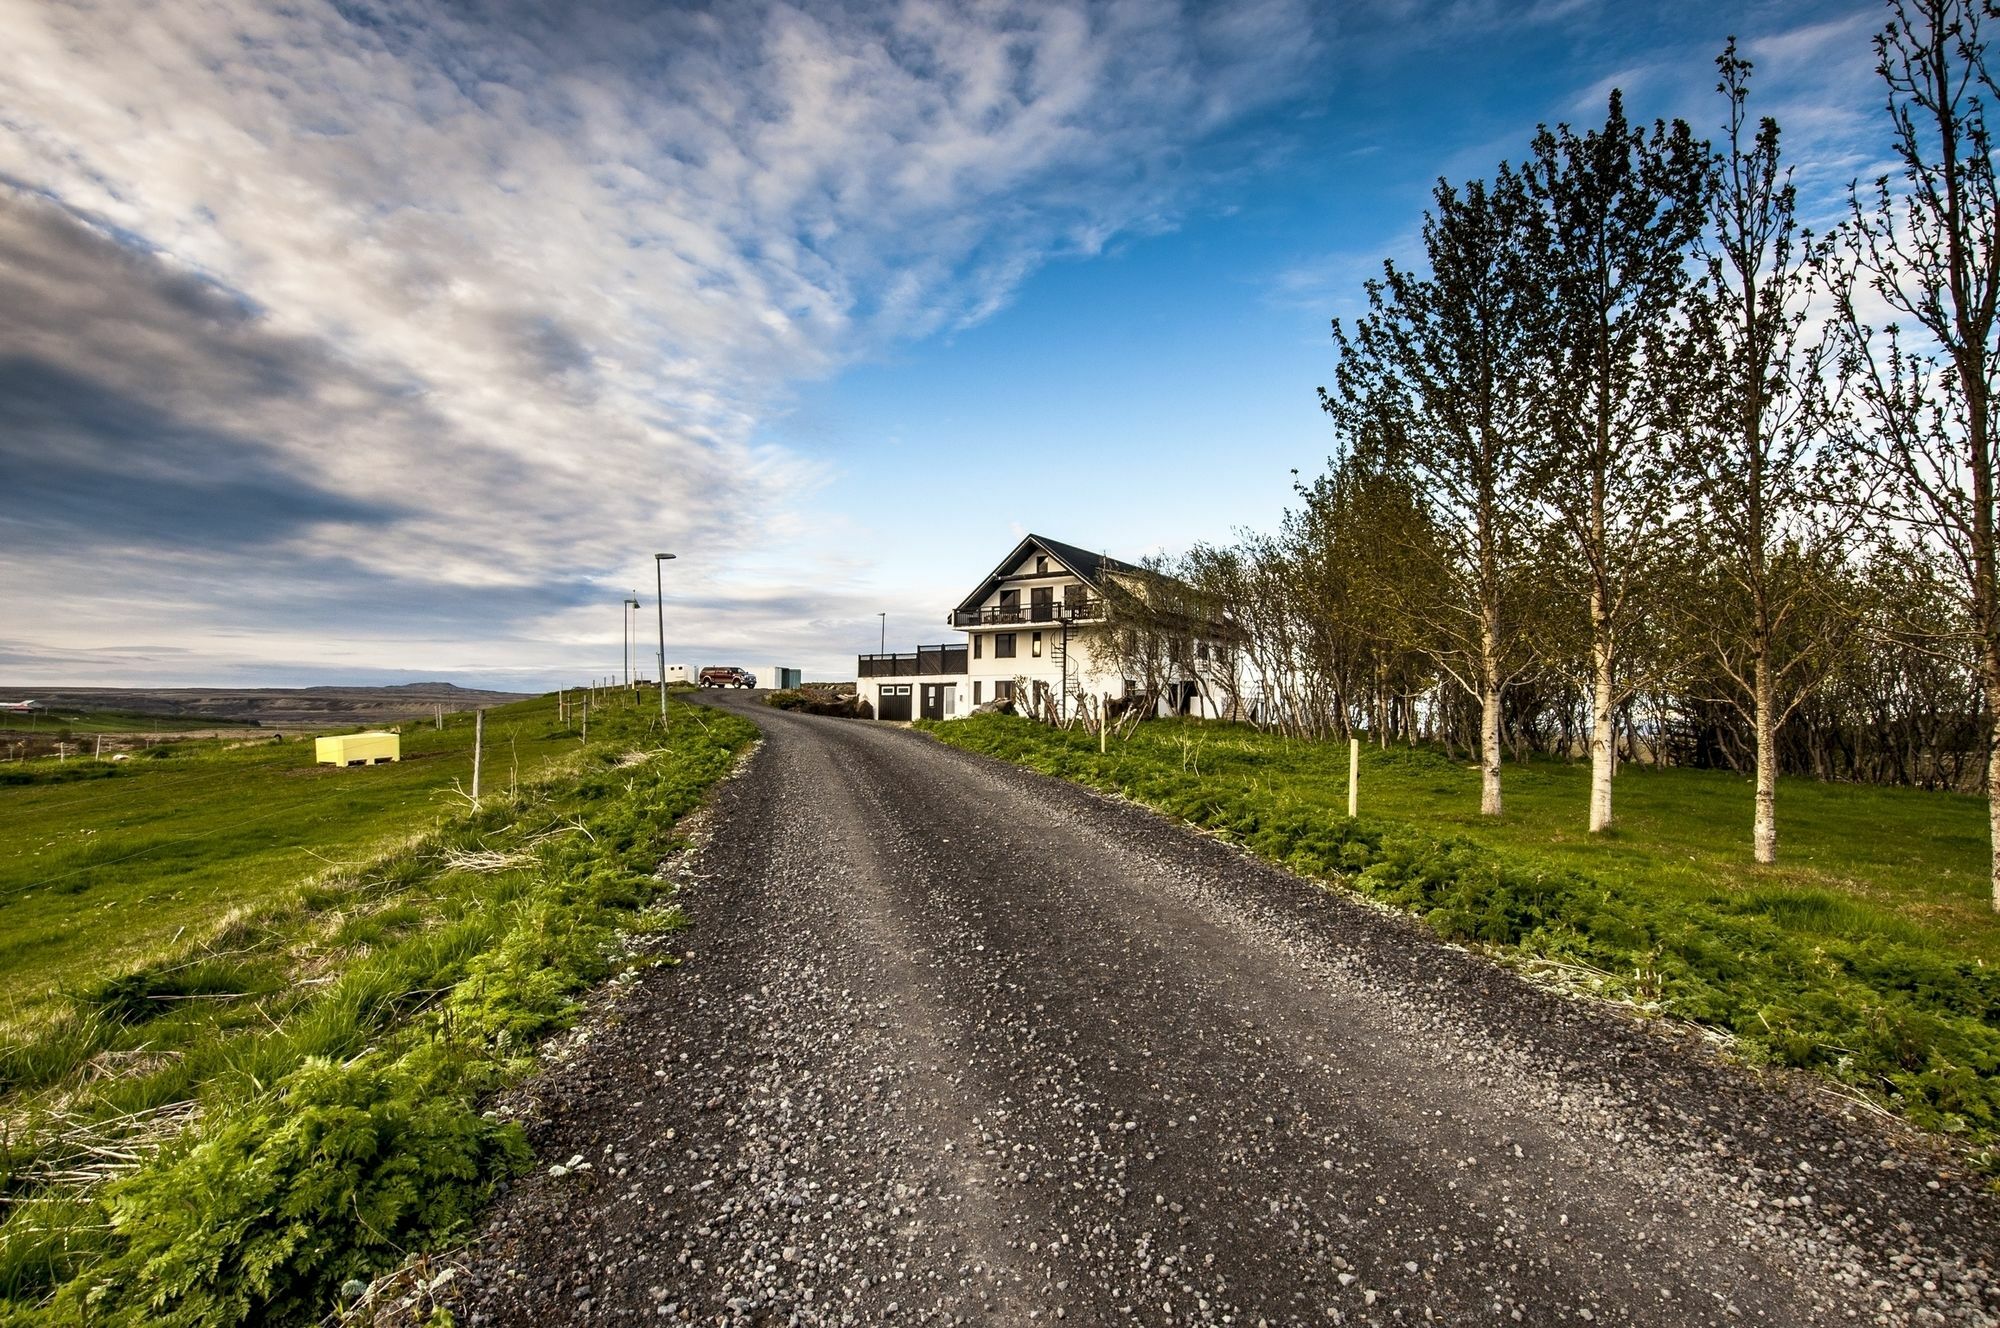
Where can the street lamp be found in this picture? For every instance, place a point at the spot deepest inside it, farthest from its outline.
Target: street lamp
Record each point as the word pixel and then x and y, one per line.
pixel 628 606
pixel 884 647
pixel 660 606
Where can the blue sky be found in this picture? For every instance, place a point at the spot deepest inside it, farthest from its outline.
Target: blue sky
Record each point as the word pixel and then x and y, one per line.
pixel 387 341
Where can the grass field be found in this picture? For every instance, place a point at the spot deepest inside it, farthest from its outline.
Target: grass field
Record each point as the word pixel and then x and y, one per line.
pixel 1868 953
pixel 87 722
pixel 252 1078
pixel 1853 860
pixel 104 864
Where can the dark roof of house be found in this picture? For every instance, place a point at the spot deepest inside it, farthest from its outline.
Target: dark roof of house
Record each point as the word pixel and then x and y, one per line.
pixel 1087 565
pixel 1082 561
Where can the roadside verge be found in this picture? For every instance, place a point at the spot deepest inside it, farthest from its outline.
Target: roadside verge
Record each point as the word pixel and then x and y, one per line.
pixel 1905 1028
pixel 320 1116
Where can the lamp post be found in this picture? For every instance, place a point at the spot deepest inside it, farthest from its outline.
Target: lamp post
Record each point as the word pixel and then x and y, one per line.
pixel 660 606
pixel 628 606
pixel 884 646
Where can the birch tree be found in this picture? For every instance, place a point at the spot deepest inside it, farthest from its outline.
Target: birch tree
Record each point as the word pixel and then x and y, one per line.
pixel 1619 209
pixel 1759 479
pixel 1455 355
pixel 1925 242
pixel 1357 554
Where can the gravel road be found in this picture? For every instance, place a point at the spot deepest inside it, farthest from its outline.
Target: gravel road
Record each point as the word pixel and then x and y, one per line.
pixel 954 1043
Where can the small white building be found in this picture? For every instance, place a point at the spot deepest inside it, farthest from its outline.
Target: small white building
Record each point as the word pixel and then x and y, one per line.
pixel 1039 630
pixel 777 677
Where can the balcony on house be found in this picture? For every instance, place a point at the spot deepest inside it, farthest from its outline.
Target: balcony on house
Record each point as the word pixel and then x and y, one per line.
pixel 1040 609
pixel 923 662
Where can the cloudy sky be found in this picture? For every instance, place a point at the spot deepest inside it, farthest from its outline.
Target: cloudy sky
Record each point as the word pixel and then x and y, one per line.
pixel 359 341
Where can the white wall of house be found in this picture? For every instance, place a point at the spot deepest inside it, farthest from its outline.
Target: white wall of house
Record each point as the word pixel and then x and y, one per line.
pixel 953 699
pixel 1087 672
pixel 1093 669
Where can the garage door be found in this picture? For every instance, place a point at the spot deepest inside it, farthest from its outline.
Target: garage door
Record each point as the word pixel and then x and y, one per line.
pixel 895 701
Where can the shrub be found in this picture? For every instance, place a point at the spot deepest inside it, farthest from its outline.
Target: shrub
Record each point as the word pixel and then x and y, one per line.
pixel 821 701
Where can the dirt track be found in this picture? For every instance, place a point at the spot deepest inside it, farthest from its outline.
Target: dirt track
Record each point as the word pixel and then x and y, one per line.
pixel 960 1044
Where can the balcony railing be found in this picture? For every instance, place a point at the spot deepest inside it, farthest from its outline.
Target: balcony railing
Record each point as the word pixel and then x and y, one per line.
pixel 923 662
pixel 1047 611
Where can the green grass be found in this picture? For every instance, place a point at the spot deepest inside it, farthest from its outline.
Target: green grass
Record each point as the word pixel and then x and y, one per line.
pixel 48 723
pixel 300 1079
pixel 1868 953
pixel 104 863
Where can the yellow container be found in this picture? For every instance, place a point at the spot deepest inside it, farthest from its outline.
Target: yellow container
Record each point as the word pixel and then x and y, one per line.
pixel 358 749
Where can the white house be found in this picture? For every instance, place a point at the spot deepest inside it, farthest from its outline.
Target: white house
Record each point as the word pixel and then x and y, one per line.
pixel 1038 629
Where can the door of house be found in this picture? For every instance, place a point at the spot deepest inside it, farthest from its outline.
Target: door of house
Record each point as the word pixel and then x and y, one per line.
pixel 895 701
pixel 1042 603
pixel 936 700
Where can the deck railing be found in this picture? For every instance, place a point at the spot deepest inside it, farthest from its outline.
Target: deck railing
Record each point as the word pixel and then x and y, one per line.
pixel 1047 611
pixel 923 662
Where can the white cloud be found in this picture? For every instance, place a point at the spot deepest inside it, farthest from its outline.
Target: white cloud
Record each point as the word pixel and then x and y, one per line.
pixel 509 294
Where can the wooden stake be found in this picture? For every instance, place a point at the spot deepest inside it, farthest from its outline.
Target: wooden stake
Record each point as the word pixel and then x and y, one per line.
pixel 478 739
pixel 1353 777
pixel 586 719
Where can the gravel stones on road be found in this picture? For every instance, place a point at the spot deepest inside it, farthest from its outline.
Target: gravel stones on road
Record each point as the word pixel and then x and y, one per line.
pixel 958 1044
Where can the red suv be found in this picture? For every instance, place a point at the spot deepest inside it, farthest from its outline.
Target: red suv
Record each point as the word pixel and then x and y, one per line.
pixel 723 675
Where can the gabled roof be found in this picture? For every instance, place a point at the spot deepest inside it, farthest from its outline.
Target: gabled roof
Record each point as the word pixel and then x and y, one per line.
pixel 1087 566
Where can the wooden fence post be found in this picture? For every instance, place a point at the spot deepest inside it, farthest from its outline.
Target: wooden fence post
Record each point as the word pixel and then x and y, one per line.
pixel 1353 777
pixel 478 740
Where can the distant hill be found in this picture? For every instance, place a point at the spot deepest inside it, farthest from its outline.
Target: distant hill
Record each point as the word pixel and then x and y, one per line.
pixel 270 707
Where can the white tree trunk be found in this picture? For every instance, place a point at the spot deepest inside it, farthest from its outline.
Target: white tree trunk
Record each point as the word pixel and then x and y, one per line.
pixel 1764 835
pixel 1489 718
pixel 1603 719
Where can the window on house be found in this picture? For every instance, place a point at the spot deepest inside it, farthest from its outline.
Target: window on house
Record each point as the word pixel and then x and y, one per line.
pixel 1201 650
pixel 1035 646
pixel 1010 606
pixel 978 646
pixel 975 691
pixel 1041 565
pixel 1003 689
pixel 1003 646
